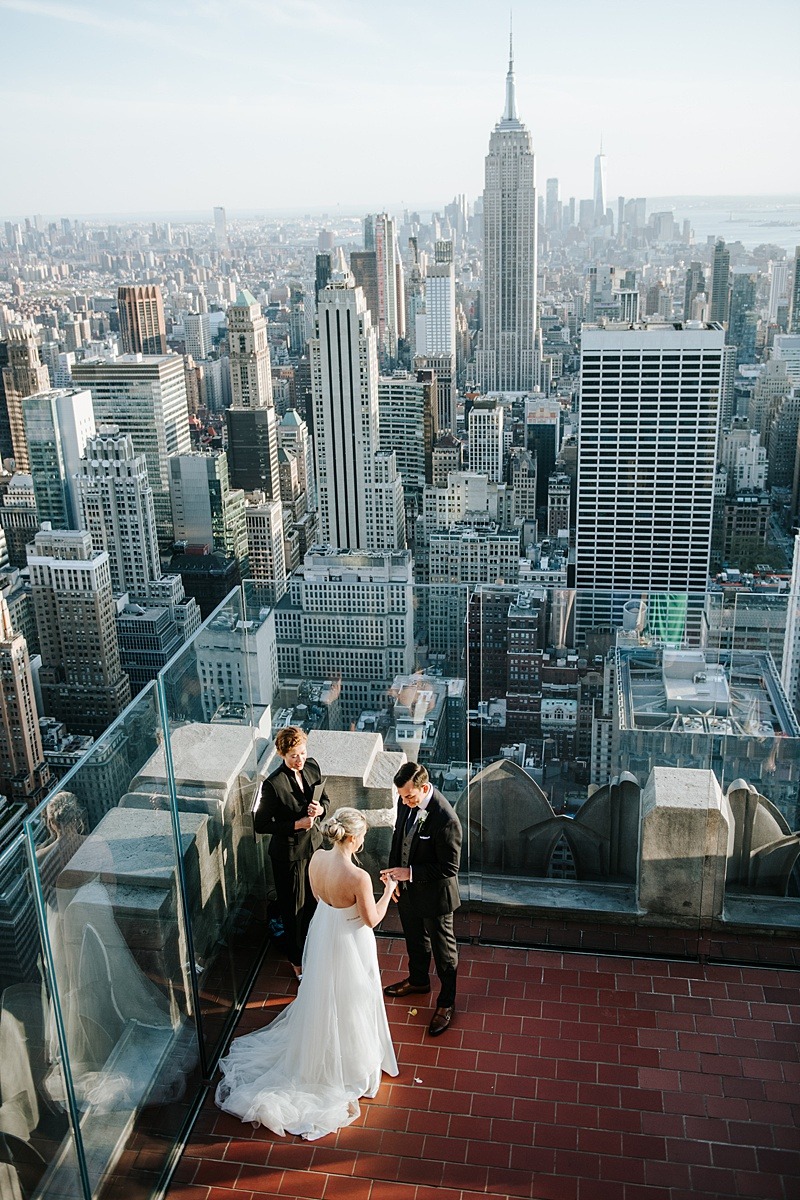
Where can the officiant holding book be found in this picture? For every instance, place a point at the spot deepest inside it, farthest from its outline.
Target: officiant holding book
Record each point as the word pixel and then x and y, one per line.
pixel 288 805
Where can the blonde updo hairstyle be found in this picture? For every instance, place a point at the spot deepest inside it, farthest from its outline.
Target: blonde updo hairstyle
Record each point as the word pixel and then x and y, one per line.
pixel 345 823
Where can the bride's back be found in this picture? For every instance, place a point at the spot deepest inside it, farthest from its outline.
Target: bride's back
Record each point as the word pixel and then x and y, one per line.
pixel 334 879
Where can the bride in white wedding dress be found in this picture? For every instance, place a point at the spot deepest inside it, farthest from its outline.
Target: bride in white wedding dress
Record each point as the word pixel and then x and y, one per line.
pixel 304 1072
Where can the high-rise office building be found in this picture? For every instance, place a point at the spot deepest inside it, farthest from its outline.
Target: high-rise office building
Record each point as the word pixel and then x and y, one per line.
pixel 695 284
pixel 391 317
pixel 599 190
pixel 778 287
pixel 58 424
pixel 743 317
pixel 141 319
pixel 144 396
pixel 197 335
pixel 485 423
pixel 264 520
pixel 650 399
pixel 436 334
pixel 206 511
pixel 506 359
pixel 720 283
pixel 18 518
pixel 407 423
pixel 24 774
pixel 116 507
pixel 252 436
pixel 81 677
pixel 360 493
pixel 221 230
pixel 348 618
pixel 552 208
pixel 23 375
pixel 794 295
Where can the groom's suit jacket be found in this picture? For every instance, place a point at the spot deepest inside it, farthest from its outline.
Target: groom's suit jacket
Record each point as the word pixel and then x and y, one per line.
pixel 434 858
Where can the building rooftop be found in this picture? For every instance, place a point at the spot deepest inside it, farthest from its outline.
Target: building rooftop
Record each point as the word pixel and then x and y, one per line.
pixel 564 1076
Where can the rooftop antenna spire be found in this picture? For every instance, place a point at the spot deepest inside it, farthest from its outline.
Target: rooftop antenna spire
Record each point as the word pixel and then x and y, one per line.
pixel 510 113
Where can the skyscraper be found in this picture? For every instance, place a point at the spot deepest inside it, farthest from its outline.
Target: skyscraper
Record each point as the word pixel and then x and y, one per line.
pixel 486 439
pixel 206 511
pixel 360 493
pixel 391 316
pixel 720 283
pixel 82 680
pixel 57 426
pixel 436 334
pixel 794 297
pixel 116 506
pixel 743 317
pixel 695 284
pixel 599 191
pixel 252 437
pixel 221 230
pixel 650 400
pixel 141 319
pixel 506 359
pixel 24 775
pixel 144 396
pixel 23 375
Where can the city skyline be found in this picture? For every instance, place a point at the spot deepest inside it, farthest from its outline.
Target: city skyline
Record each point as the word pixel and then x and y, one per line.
pixel 630 78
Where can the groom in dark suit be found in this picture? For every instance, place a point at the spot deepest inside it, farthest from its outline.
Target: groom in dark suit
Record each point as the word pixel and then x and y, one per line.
pixel 424 859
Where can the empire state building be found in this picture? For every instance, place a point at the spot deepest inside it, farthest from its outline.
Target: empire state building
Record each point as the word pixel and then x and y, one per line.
pixel 506 359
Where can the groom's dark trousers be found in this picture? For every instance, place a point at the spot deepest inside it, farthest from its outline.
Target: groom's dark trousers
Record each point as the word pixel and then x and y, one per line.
pixel 432 849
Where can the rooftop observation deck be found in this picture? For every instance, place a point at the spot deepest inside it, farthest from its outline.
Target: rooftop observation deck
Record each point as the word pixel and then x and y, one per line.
pixel 565 1076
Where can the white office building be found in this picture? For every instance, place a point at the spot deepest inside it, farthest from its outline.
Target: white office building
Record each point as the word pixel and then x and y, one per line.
pixel 360 492
pixel 485 425
pixel 145 396
pixel 649 415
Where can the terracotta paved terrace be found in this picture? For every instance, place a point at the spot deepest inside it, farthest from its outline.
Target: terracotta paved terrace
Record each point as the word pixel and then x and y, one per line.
pixel 565 1076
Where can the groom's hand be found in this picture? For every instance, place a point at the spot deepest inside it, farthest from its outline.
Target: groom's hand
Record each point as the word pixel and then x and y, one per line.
pixel 400 874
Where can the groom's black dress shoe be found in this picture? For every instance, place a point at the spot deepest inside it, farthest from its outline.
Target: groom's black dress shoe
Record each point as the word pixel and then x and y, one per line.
pixel 406 988
pixel 441 1020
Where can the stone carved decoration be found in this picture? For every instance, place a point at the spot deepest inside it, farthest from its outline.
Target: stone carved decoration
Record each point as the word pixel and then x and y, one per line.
pixel 514 831
pixel 766 854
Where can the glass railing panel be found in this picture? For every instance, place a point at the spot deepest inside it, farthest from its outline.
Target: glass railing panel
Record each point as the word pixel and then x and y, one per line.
pixel 217 703
pixel 757 762
pixel 38 1153
pixel 105 866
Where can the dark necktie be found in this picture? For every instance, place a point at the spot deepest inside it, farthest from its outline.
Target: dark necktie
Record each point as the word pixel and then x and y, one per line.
pixel 410 819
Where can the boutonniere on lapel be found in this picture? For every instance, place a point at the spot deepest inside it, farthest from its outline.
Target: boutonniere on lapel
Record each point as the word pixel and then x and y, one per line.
pixel 422 818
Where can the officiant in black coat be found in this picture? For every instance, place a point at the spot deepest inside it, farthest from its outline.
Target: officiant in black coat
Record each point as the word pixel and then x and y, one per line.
pixel 424 859
pixel 287 809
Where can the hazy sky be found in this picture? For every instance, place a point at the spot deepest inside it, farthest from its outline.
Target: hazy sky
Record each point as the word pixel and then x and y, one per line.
pixel 176 105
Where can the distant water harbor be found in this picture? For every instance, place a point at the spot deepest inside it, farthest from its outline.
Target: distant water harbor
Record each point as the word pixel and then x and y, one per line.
pixel 751 220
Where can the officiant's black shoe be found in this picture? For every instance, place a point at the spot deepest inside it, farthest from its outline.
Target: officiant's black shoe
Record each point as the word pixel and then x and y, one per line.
pixel 406 988
pixel 441 1020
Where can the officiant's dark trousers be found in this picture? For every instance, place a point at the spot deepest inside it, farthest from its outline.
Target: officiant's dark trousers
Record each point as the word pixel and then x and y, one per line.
pixel 425 935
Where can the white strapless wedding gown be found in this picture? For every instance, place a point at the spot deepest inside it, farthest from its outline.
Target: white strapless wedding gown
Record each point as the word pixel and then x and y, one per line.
pixel 304 1072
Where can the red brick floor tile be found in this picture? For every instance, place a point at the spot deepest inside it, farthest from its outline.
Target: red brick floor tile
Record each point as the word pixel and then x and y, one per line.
pixel 566 1077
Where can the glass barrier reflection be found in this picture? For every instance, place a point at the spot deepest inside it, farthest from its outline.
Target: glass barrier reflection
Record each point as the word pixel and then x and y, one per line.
pixel 37 1148
pixel 217 703
pixel 125 1058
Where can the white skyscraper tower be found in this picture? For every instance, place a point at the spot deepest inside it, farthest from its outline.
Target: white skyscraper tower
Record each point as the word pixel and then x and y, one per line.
pixel 506 360
pixel 650 403
pixel 360 496
pixel 600 187
pixel 486 439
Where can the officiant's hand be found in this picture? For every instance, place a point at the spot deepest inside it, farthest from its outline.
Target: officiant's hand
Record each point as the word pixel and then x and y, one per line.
pixel 315 810
pixel 303 823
